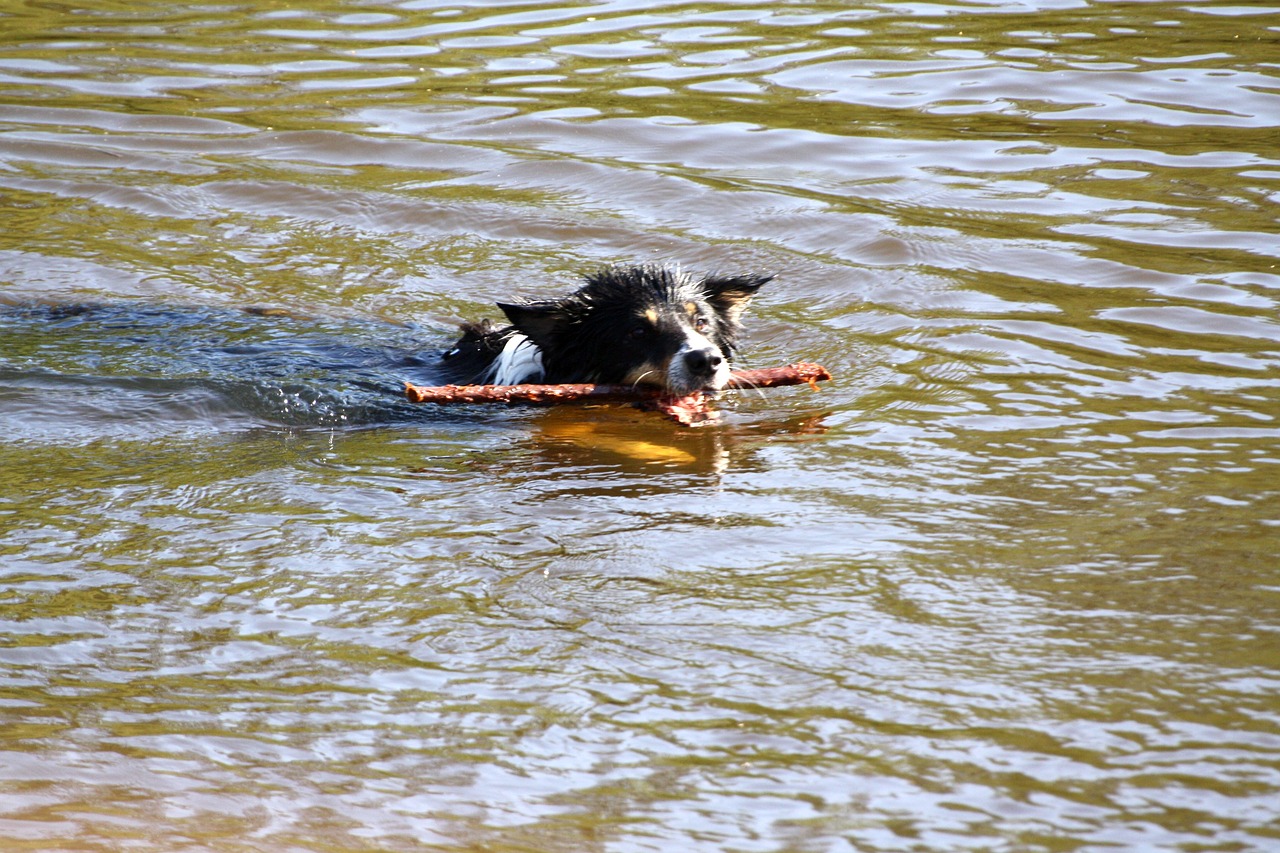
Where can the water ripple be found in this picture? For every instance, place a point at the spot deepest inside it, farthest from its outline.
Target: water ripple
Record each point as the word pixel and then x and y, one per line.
pixel 1007 580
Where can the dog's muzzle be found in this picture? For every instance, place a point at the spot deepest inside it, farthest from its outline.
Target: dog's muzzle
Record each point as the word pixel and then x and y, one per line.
pixel 703 362
pixel 698 369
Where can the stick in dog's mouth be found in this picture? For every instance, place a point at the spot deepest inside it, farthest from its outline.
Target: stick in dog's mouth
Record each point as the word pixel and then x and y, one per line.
pixel 689 409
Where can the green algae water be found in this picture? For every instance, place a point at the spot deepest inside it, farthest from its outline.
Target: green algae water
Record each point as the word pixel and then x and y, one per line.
pixel 1009 582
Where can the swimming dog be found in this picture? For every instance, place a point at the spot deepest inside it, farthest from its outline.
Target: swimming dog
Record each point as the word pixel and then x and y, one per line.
pixel 643 325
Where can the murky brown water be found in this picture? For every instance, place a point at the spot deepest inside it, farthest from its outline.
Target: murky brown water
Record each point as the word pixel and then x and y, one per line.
pixel 1009 583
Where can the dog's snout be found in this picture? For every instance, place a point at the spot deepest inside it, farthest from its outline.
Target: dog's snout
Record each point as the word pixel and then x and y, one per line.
pixel 703 362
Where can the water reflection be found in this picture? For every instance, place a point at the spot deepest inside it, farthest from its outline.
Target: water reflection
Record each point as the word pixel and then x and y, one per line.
pixel 1005 583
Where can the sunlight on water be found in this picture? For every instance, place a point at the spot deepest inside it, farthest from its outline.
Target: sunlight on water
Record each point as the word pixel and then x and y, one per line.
pixel 1007 583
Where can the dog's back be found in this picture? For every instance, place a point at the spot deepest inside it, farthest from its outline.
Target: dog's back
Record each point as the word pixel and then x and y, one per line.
pixel 171 361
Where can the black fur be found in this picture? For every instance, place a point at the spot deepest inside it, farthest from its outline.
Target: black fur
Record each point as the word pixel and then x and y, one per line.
pixel 653 325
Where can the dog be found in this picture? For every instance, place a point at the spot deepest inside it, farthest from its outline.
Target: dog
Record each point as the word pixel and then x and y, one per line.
pixel 628 325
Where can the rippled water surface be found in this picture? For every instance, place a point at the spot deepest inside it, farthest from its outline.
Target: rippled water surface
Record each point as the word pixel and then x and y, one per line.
pixel 1010 582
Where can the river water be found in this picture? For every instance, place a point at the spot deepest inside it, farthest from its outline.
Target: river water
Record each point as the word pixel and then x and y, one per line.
pixel 1009 582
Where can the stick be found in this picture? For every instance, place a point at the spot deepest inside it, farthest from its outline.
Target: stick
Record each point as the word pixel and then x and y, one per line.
pixel 802 372
pixel 771 377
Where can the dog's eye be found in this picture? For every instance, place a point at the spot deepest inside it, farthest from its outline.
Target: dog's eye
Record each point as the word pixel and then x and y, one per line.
pixel 639 333
pixel 702 324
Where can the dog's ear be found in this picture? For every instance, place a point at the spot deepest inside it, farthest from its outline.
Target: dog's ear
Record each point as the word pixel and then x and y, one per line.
pixel 730 295
pixel 537 320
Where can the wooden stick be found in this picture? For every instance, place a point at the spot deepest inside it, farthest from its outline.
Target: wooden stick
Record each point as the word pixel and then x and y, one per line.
pixel 802 372
pixel 793 374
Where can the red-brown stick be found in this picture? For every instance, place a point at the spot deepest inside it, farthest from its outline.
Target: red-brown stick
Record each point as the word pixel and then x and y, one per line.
pixel 772 377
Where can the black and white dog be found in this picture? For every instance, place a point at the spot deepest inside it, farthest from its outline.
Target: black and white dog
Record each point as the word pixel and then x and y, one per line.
pixel 648 325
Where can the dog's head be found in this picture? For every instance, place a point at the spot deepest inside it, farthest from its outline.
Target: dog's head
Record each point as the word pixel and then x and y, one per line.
pixel 651 325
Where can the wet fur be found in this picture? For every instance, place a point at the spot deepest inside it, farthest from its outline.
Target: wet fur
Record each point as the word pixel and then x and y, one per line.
pixel 649 325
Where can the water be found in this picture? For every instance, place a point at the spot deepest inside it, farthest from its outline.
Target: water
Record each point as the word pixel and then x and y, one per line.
pixel 1007 583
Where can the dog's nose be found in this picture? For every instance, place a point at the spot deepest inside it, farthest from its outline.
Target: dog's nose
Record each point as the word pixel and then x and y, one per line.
pixel 703 362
